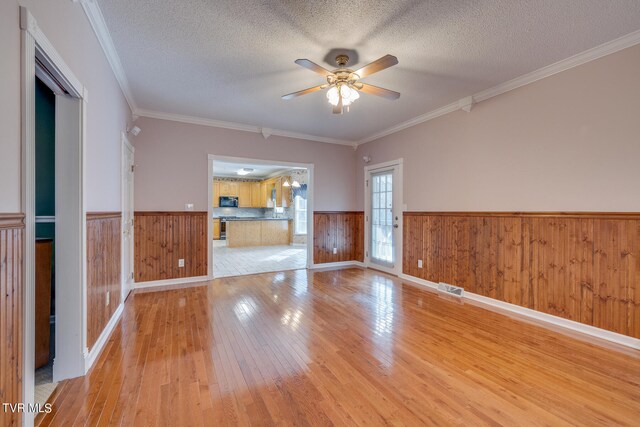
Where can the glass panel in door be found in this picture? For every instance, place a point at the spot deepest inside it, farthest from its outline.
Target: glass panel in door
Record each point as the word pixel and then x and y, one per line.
pixel 382 244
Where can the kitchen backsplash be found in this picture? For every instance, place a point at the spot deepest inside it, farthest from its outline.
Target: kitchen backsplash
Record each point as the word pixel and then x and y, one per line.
pixel 251 212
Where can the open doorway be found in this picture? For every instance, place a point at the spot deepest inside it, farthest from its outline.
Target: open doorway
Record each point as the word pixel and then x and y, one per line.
pixel 45 105
pixel 259 216
pixel 53 105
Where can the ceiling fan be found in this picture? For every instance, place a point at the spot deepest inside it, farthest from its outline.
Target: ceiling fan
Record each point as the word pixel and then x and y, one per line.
pixel 344 84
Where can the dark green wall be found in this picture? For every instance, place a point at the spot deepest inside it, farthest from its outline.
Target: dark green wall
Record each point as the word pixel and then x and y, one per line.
pixel 45 157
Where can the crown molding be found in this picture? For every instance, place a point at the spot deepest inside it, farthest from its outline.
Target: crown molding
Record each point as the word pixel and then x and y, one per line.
pixel 449 108
pixel 466 103
pixel 237 126
pixel 96 19
pixel 99 26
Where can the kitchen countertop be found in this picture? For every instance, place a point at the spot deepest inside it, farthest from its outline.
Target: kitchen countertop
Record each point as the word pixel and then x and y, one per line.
pixel 255 219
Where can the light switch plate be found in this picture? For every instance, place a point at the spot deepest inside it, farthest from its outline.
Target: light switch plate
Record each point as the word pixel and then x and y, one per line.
pixel 335 251
pixel 419 263
pixel 188 206
pixel 181 262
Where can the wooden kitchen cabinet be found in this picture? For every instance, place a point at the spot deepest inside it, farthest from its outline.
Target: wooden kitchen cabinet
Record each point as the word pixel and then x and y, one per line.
pixel 216 194
pixel 216 229
pixel 229 188
pixel 244 194
pixel 256 195
pixel 265 194
pixel 259 233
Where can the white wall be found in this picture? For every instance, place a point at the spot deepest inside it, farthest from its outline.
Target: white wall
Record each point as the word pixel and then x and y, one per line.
pixel 569 142
pixel 171 164
pixel 66 26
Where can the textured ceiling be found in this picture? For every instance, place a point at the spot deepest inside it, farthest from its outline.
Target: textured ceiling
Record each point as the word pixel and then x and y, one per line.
pixel 231 60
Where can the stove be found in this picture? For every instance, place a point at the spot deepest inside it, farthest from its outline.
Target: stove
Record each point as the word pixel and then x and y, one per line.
pixel 223 226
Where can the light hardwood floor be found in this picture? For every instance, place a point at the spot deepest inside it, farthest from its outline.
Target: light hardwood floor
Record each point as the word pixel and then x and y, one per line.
pixel 341 347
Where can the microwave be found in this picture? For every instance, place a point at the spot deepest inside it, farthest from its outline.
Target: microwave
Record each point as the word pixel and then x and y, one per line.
pixel 228 202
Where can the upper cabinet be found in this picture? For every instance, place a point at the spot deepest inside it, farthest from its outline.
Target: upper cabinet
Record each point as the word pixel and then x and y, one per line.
pixel 256 196
pixel 244 194
pixel 229 188
pixel 263 194
pixel 216 194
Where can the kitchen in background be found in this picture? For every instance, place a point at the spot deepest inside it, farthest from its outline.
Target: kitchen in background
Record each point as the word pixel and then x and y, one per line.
pixel 259 218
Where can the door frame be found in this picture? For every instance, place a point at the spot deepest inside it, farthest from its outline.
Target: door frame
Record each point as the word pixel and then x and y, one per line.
pixel 310 196
pixel 71 315
pixel 127 282
pixel 397 267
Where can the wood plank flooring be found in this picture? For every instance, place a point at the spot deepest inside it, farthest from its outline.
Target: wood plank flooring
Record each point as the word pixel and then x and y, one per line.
pixel 341 347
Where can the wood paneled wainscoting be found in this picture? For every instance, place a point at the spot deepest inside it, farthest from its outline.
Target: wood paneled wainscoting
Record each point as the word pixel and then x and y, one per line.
pixel 583 267
pixel 163 238
pixel 341 230
pixel 11 303
pixel 104 232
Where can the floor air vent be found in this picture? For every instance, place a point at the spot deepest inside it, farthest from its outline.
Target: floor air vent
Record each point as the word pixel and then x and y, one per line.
pixel 451 290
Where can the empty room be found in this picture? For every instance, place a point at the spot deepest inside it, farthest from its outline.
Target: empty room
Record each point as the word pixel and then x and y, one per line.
pixel 295 213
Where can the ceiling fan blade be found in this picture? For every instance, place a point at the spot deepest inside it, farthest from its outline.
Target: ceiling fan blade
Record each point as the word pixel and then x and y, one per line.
pixel 303 92
pixel 377 65
pixel 378 91
pixel 313 67
pixel 337 109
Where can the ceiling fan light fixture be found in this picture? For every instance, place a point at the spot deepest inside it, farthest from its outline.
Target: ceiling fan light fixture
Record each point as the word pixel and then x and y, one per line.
pixel 345 91
pixel 344 85
pixel 333 96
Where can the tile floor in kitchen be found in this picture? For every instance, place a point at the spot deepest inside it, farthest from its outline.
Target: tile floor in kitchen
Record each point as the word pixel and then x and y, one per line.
pixel 259 259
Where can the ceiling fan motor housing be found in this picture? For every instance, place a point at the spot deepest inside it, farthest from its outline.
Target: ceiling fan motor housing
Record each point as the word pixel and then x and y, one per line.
pixel 342 60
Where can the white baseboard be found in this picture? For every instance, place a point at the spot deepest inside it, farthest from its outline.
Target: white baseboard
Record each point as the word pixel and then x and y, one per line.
pixel 91 356
pixel 497 305
pixel 336 264
pixel 170 282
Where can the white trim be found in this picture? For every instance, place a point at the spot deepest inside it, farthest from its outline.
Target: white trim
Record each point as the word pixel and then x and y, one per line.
pixel 588 55
pixel 496 305
pixel 237 126
pixel 96 19
pixel 170 282
pixel 49 55
pixel 594 53
pixel 210 217
pixel 34 44
pixel 124 190
pixel 329 265
pixel 398 165
pixel 28 50
pixel 450 108
pixel 310 196
pixel 91 356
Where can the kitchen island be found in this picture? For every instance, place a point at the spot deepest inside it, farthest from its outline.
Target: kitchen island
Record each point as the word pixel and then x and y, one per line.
pixel 242 232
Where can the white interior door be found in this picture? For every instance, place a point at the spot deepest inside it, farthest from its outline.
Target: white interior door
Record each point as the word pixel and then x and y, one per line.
pixel 127 217
pixel 384 217
pixel 70 250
